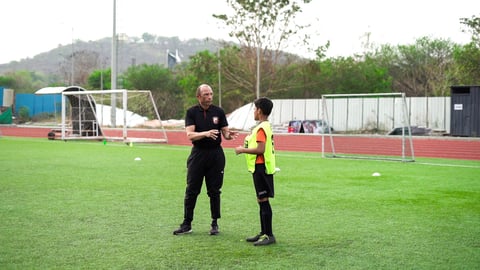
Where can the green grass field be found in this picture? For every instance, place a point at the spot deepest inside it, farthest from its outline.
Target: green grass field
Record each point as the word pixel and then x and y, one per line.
pixel 86 205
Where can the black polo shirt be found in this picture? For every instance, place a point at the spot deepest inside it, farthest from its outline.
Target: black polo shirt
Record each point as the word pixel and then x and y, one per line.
pixel 212 118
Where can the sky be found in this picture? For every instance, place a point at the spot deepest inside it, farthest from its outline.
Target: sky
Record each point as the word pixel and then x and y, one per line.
pixel 31 27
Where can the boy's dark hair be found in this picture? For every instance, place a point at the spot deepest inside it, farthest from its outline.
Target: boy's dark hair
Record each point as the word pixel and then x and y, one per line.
pixel 264 104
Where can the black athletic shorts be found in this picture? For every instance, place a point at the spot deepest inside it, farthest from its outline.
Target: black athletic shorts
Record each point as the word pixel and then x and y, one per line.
pixel 263 182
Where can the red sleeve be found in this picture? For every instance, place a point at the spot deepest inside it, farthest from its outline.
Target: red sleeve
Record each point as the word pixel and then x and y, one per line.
pixel 261 136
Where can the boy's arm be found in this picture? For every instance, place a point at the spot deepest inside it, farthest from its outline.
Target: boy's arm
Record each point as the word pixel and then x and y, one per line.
pixel 259 150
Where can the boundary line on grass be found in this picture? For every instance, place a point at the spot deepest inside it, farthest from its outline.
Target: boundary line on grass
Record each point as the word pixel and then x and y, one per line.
pixel 416 162
pixel 448 165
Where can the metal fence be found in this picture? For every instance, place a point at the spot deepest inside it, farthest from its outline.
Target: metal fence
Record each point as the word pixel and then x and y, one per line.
pixel 349 114
pixel 346 114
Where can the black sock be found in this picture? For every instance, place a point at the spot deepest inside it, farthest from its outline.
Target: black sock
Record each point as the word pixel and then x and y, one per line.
pixel 266 218
pixel 262 223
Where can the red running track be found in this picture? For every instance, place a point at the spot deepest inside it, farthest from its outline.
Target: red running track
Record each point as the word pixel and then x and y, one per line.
pixel 436 147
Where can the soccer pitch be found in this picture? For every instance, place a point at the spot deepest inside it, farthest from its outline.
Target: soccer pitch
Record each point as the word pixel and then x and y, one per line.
pixel 89 205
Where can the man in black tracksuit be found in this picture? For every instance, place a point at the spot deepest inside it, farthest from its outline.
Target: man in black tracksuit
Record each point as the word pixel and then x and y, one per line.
pixel 204 125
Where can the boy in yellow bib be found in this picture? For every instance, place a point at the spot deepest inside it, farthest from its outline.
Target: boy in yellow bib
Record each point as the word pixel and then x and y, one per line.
pixel 260 155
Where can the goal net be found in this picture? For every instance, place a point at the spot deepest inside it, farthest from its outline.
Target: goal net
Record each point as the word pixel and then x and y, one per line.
pixel 114 115
pixel 363 125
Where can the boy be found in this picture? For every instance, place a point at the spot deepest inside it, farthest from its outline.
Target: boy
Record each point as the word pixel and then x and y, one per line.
pixel 260 155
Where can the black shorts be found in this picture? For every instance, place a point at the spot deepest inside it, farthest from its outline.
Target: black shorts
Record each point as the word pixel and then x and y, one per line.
pixel 263 182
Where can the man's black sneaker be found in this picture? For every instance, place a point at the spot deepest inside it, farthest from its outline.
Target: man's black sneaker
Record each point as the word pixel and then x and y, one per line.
pixel 254 238
pixel 214 230
pixel 265 240
pixel 184 229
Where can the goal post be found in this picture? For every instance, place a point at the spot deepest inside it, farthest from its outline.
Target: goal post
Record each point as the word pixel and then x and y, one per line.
pixel 362 123
pixel 115 115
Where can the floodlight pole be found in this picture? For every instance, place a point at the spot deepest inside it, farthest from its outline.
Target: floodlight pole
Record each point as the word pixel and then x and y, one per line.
pixel 114 48
pixel 258 71
pixel 113 115
pixel 258 50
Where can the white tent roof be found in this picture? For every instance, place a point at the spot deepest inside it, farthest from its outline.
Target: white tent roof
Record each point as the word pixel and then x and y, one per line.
pixel 104 117
pixel 242 118
pixel 57 90
pixel 284 110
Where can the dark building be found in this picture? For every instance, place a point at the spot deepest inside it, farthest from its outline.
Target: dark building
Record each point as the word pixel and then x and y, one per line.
pixel 465 111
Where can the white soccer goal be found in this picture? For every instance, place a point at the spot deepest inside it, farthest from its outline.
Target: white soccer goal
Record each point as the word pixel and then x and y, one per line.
pixel 361 123
pixel 115 115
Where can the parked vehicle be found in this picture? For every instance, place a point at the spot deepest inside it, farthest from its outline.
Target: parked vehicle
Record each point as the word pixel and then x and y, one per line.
pixel 309 126
pixel 416 131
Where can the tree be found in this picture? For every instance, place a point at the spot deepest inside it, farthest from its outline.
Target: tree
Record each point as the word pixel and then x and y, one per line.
pixel 473 25
pixel 148 38
pixel 7 82
pixel 76 67
pixel 100 79
pixel 161 82
pixel 420 69
pixel 262 28
pixel 468 57
pixel 304 80
pixel 467 65
pixel 24 81
pixel 202 68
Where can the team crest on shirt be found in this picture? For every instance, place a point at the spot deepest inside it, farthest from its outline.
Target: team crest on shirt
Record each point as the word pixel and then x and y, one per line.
pixel 215 120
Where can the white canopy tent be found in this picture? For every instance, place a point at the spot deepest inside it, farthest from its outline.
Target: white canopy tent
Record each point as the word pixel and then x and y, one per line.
pixel 284 110
pixel 242 118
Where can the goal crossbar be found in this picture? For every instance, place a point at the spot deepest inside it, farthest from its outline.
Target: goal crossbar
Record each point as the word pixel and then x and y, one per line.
pixel 396 94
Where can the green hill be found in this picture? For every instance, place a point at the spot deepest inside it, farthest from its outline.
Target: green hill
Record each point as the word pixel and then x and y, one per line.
pixel 132 51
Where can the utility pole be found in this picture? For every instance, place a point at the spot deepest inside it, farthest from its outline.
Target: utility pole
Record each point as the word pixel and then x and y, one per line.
pixel 72 81
pixel 258 49
pixel 219 79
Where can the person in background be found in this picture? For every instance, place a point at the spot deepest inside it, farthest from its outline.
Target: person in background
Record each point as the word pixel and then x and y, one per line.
pixel 205 123
pixel 260 156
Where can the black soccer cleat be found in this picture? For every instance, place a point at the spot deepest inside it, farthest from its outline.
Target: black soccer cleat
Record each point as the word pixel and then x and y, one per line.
pixel 214 230
pixel 254 238
pixel 184 229
pixel 265 240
